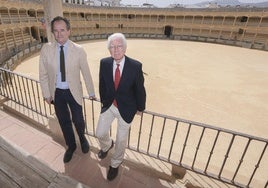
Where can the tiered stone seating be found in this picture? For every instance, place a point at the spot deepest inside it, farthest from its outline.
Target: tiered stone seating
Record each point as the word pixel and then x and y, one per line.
pixel 205 33
pixel 218 20
pixel 195 32
pixel 14 15
pixel 2 41
pixel 9 39
pixel 207 20
pixel 229 20
pixel 24 17
pixel 254 21
pixel 5 19
pixel 215 33
pixel 262 38
pixel 225 35
pixel 264 22
pixel 248 37
pixel 16 38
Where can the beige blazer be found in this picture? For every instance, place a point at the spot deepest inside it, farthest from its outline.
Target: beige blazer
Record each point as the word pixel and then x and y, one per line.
pixel 75 63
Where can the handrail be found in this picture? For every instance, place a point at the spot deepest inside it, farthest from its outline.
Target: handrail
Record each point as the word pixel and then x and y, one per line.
pixel 231 157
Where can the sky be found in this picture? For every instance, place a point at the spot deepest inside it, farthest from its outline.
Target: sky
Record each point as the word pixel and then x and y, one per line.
pixel 165 3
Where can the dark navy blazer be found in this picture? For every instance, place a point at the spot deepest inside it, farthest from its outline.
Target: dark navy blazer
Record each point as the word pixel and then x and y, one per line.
pixel 130 95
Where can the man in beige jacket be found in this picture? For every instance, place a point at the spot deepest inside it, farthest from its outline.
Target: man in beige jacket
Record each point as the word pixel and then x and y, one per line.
pixel 60 65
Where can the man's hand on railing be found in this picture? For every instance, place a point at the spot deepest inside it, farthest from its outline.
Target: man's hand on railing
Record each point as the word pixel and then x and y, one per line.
pixel 139 113
pixel 49 100
pixel 92 98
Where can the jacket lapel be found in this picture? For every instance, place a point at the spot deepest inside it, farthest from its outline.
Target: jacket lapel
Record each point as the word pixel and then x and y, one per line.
pixel 70 56
pixel 54 59
pixel 109 70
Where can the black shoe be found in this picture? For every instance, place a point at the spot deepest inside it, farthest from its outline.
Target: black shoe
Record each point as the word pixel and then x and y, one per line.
pixel 112 173
pixel 68 154
pixel 103 154
pixel 85 146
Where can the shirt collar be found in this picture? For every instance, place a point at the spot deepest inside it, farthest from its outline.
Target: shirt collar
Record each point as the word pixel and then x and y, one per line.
pixel 65 44
pixel 122 62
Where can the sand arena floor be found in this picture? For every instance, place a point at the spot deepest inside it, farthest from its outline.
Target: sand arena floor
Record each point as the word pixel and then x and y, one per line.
pixel 220 85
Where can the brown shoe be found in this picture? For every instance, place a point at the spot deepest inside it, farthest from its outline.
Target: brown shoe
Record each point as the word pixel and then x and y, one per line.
pixel 103 154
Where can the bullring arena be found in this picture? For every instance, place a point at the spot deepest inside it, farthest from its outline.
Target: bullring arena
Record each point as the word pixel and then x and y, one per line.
pixel 207 66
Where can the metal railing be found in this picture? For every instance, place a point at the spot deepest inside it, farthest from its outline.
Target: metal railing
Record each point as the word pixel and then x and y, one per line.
pixel 231 157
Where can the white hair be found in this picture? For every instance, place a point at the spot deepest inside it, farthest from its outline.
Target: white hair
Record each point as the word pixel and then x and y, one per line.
pixel 114 36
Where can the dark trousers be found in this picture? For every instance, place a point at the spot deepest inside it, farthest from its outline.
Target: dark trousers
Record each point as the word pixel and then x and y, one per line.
pixel 64 104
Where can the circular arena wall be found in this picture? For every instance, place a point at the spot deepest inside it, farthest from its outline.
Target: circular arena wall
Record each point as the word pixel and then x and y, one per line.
pixel 22 24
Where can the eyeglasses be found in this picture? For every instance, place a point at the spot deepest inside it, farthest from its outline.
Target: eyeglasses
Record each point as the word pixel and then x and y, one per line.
pixel 119 47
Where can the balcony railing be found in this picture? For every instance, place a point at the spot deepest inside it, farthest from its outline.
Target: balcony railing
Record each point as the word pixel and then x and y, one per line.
pixel 231 157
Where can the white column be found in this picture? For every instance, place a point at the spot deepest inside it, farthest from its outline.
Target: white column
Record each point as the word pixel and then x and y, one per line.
pixel 52 8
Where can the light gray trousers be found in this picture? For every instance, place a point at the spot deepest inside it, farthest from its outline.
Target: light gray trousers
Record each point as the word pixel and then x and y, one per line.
pixel 103 129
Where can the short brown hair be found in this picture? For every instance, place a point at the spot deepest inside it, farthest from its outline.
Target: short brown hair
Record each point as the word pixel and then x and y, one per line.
pixel 58 18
